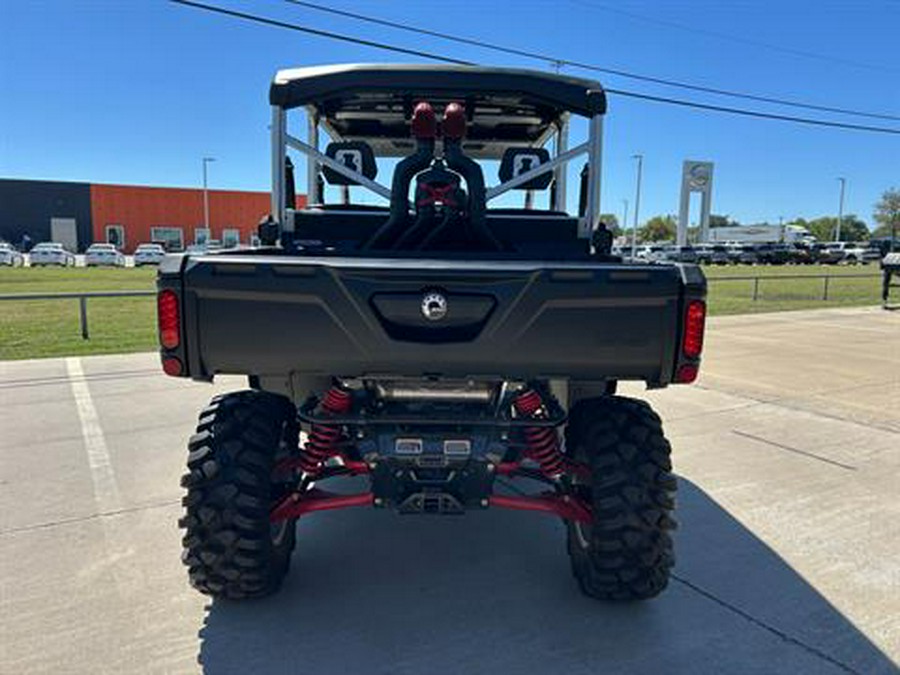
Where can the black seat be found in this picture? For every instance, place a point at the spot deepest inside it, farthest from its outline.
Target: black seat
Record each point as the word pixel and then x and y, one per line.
pixel 540 232
pixel 535 233
pixel 517 161
pixel 355 155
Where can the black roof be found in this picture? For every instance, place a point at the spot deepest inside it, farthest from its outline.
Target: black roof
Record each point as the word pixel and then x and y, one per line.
pixel 506 106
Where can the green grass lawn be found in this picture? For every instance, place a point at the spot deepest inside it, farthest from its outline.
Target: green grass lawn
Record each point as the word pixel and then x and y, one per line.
pixel 729 295
pixel 32 329
pixel 41 328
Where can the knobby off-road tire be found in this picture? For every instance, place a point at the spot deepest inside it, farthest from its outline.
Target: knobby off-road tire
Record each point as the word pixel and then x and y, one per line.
pixel 626 553
pixel 578 415
pixel 230 548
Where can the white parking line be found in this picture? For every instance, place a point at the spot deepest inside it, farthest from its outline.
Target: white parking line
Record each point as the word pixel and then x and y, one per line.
pixel 106 490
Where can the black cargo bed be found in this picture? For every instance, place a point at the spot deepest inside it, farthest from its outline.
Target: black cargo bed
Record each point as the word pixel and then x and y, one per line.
pixel 353 317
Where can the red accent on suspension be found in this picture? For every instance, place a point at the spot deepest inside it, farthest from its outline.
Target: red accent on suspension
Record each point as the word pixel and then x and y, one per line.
pixel 542 442
pixel 323 438
pixel 564 506
pixel 296 505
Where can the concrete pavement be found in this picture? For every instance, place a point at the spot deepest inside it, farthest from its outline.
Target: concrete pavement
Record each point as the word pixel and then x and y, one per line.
pixel 787 451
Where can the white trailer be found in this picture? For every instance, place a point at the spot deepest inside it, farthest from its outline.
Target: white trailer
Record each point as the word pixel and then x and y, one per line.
pixel 760 233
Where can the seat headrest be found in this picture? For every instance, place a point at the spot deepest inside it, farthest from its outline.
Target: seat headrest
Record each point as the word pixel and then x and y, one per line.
pixel 517 161
pixel 355 155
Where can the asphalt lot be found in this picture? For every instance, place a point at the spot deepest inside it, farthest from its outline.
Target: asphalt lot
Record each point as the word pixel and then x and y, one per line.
pixel 787 450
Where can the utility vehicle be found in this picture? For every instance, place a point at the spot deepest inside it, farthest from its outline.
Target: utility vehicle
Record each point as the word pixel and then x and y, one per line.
pixel 434 343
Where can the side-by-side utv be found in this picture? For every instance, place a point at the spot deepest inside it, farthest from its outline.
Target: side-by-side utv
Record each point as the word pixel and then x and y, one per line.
pixel 435 335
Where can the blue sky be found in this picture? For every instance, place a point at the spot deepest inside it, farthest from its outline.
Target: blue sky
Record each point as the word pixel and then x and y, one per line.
pixel 137 91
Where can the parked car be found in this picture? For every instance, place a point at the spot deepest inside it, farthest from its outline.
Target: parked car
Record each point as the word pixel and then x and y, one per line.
pixel 862 253
pixel 747 254
pixel 103 255
pixel 149 254
pixel 704 253
pixel 773 254
pixel 686 254
pixel 821 255
pixel 651 252
pixel 833 252
pixel 734 252
pixel 10 256
pixel 51 253
pixel 800 253
pixel 718 254
pixel 885 245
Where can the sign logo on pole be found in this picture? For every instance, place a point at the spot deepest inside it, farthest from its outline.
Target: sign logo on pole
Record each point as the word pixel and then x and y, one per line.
pixel 696 176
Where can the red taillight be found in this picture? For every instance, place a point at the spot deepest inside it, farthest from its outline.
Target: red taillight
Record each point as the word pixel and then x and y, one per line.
pixel 172 366
pixel 169 320
pixel 687 373
pixel 694 323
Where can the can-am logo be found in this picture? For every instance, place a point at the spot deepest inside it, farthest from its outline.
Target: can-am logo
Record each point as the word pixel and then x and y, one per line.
pixel 434 306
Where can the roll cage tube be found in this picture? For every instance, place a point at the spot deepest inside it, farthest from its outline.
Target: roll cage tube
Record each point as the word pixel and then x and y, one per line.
pixel 281 140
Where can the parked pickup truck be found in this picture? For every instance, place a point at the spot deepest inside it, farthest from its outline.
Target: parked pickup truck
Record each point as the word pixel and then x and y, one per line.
pixel 435 344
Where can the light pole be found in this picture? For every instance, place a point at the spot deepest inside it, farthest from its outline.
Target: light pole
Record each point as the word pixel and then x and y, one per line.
pixel 625 216
pixel 837 236
pixel 637 203
pixel 206 160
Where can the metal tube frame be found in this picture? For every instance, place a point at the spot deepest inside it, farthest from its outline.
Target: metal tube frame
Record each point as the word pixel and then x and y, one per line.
pixel 561 145
pixel 637 205
pixel 523 178
pixel 278 157
pixel 281 140
pixel 312 166
pixel 322 158
pixel 595 157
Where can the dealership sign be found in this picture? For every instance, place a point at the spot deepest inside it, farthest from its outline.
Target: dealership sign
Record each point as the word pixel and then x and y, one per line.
pixel 696 176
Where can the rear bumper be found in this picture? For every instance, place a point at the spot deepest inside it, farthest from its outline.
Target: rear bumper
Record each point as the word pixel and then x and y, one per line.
pixel 273 315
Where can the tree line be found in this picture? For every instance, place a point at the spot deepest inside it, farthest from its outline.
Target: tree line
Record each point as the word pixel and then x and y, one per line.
pixel 853 228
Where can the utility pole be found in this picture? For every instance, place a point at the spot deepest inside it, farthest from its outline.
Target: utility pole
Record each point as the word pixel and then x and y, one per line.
pixel 206 160
pixel 837 236
pixel 637 203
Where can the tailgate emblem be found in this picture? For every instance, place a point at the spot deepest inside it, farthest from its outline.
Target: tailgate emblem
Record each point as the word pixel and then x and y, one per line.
pixel 434 306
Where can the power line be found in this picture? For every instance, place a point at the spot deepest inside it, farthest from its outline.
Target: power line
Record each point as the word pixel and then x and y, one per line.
pixel 447 59
pixel 735 38
pixel 320 33
pixel 752 113
pixel 588 66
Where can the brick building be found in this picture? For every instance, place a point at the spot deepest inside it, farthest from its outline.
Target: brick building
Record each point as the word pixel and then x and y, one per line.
pixel 79 214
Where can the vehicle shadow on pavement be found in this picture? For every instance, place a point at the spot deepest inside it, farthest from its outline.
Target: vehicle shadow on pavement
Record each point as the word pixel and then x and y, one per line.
pixel 372 592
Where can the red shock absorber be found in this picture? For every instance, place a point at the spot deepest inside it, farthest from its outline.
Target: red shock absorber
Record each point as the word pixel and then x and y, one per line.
pixel 542 442
pixel 323 438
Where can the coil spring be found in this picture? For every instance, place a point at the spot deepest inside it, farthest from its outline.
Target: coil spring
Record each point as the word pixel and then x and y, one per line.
pixel 323 438
pixel 542 442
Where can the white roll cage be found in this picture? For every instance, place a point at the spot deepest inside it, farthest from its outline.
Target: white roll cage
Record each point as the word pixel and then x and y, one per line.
pixel 593 147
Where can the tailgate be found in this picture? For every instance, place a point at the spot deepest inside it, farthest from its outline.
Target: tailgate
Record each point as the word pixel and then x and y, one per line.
pixel 352 317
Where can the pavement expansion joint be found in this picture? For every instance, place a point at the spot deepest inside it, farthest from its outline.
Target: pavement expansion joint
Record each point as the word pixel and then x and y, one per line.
pixel 91 516
pixel 798 451
pixel 92 377
pixel 759 623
